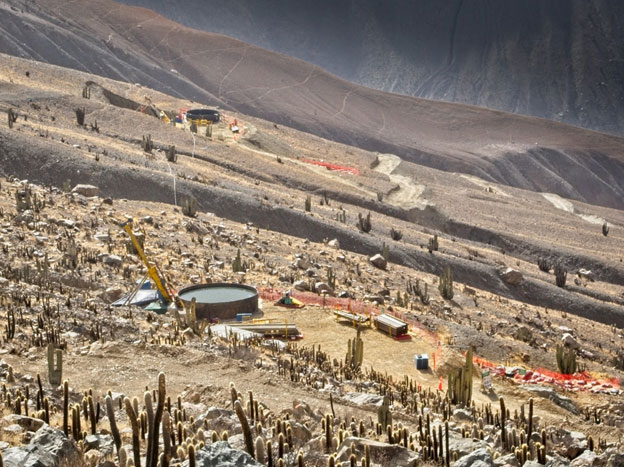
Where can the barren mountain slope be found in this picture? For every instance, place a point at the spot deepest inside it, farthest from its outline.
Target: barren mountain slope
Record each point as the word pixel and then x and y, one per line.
pixel 264 174
pixel 562 60
pixel 138 45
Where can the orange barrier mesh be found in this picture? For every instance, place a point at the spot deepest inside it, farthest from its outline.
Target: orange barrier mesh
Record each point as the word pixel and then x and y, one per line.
pixel 339 168
pixel 581 381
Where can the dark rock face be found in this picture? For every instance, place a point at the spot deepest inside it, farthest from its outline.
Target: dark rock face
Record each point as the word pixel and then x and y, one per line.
pixel 561 60
pixel 48 448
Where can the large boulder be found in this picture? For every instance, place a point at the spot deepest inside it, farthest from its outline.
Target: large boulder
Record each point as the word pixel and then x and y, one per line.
pixel 363 399
pixel 552 395
pixel 48 448
pixel 378 261
pixel 380 453
pixel 86 190
pixel 27 423
pixel 479 458
pixel 511 276
pixel 221 454
pixel 464 446
pixel 569 341
pixel 571 444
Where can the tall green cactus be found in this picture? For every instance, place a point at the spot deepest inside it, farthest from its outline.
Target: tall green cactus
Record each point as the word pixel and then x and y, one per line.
pixel 460 383
pixel 355 352
pixel 384 416
pixel 240 413
pixel 566 360
pixel 136 442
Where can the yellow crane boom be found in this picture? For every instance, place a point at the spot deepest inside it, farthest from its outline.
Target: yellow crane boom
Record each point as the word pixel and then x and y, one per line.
pixel 152 271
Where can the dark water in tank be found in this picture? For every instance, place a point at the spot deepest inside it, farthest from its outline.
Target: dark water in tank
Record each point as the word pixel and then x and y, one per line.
pixel 217 294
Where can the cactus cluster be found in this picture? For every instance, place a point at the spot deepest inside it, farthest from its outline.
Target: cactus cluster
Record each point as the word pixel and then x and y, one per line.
pixel 561 274
pixel 355 352
pixel 364 224
pixel 147 144
pixel 460 382
pixel 566 360
pixel 396 235
pixel 433 244
pixel 446 284
pixel 12 117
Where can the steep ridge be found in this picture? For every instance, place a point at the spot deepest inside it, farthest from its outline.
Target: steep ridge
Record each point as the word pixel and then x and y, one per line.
pixel 139 45
pixel 561 60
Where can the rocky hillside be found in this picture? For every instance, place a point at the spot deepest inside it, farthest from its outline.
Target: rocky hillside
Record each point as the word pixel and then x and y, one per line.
pixel 561 60
pixel 139 46
pixel 474 267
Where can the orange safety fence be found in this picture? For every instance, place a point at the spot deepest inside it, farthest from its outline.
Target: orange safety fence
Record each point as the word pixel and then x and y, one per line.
pixel 361 308
pixel 339 168
pixel 578 381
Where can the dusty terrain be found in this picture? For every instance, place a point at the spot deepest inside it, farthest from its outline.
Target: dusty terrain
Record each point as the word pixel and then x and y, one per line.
pixel 250 189
pixel 139 46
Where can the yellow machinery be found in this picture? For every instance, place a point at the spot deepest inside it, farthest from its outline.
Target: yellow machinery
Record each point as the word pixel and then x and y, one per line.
pixel 152 270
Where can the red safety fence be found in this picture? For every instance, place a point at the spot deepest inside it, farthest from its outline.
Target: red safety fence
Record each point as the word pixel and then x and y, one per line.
pixel 329 166
pixel 361 308
pixel 577 382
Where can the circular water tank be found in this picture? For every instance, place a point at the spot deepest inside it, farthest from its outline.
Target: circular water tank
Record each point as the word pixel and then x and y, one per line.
pixel 220 300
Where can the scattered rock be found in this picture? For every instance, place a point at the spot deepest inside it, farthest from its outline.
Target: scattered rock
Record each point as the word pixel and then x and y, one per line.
pixel 112 260
pixel 103 443
pixel 220 454
pixel 48 448
pixel 378 261
pixel 511 276
pixel 586 274
pixel 86 190
pixel 362 398
pixel 479 458
pixel 464 446
pixel 570 341
pixel 334 243
pixel 553 396
pixel 27 423
pixel 302 286
pixel 380 453
pixel 323 287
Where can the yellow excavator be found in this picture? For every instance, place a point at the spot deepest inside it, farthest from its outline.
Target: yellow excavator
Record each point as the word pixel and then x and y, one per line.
pixel 152 270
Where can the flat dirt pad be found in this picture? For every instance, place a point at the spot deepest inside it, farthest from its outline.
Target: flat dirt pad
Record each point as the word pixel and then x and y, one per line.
pixel 383 353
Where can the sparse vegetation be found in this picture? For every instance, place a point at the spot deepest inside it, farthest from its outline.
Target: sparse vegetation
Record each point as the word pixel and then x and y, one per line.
pixel 433 244
pixel 308 203
pixel 605 229
pixel 12 116
pixel 171 154
pixel 396 235
pixel 147 144
pixel 446 284
pixel 544 264
pixel 80 115
pixel 364 224
pixel 566 360
pixel 86 92
pixel 561 274
pixel 385 251
pixel 189 206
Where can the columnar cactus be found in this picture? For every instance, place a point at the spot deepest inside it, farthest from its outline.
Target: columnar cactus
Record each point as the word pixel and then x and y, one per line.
pixel 240 413
pixel 134 423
